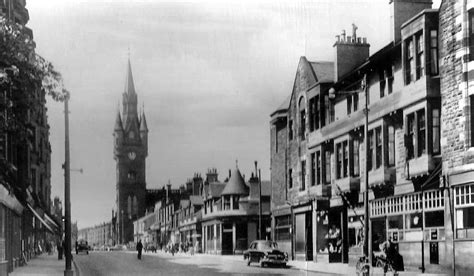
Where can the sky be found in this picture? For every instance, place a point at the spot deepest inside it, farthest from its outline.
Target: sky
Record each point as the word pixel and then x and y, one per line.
pixel 207 73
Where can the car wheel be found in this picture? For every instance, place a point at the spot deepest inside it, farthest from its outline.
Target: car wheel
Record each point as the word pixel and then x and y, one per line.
pixel 248 262
pixel 262 264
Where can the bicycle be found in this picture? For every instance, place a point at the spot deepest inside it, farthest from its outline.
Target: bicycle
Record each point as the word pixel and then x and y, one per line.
pixel 363 266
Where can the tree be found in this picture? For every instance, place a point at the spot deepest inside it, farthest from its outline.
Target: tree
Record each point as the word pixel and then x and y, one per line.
pixel 25 79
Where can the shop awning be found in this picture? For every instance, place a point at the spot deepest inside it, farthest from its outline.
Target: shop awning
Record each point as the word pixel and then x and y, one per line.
pixel 38 216
pixel 52 222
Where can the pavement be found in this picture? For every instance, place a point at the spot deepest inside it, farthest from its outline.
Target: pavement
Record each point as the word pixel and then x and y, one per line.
pixel 50 265
pixel 44 265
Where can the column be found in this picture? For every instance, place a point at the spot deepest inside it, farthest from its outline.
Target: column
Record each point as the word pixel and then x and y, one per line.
pixel 234 237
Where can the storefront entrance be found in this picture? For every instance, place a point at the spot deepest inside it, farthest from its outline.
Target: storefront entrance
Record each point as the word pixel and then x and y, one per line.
pixel 227 243
pixel 303 237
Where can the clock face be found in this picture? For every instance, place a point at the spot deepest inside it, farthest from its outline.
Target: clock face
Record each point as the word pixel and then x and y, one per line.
pixel 132 155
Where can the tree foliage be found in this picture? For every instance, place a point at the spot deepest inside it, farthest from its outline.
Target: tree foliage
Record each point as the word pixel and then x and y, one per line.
pixel 25 79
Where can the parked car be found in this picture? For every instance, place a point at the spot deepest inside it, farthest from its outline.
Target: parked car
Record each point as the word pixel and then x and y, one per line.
pixel 265 252
pixel 82 246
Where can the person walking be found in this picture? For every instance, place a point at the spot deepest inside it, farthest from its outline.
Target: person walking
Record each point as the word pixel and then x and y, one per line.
pixel 139 249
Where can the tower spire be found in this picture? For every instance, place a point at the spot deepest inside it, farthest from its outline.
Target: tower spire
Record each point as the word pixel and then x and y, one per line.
pixel 129 84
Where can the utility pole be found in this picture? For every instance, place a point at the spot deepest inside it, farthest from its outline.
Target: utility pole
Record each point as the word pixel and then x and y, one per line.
pixel 366 192
pixel 67 191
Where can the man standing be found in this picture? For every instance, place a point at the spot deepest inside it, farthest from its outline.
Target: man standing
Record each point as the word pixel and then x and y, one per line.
pixel 139 249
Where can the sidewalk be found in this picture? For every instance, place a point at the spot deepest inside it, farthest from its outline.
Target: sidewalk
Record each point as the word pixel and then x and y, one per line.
pixel 331 268
pixel 44 265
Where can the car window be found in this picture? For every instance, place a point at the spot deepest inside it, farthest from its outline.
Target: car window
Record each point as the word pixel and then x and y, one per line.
pixel 267 245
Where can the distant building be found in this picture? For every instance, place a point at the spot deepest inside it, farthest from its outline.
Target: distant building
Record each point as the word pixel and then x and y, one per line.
pixel 230 216
pixel 99 236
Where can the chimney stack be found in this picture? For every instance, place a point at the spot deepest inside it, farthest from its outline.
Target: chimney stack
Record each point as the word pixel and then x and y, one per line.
pixel 350 52
pixel 401 11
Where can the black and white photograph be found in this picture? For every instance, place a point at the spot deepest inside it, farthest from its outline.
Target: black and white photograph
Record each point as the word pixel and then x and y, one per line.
pixel 236 137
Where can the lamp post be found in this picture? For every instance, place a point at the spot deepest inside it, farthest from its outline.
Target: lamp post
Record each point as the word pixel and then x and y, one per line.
pixel 332 95
pixel 67 191
pixel 121 232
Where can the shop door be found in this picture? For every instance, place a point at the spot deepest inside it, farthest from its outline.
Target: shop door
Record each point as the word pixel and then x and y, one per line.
pixel 227 242
pixel 309 237
pixel 300 237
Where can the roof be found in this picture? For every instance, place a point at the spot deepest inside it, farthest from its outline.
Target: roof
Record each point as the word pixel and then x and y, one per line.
pixel 184 203
pixel 215 189
pixel 118 122
pixel 196 200
pixel 283 107
pixel 129 85
pixel 324 70
pixel 143 125
pixel 236 185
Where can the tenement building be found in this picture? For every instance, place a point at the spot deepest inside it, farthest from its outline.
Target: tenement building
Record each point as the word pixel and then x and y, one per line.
pixel 456 37
pixel 27 227
pixel 414 94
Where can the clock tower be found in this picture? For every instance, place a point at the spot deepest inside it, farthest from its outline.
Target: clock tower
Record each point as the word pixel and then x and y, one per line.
pixel 130 152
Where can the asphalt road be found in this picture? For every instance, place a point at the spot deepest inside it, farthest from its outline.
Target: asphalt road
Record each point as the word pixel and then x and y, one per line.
pixel 126 263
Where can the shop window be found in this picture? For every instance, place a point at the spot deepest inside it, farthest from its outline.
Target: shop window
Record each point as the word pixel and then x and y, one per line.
pixel 434 219
pixel 282 228
pixel 434 69
pixel 395 222
pixel 465 223
pixel 414 221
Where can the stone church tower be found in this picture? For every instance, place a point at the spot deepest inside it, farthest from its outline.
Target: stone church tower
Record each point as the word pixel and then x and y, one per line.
pixel 130 152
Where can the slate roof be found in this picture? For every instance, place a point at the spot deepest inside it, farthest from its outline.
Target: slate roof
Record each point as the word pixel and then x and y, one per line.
pixel 236 185
pixel 215 189
pixel 196 200
pixel 324 70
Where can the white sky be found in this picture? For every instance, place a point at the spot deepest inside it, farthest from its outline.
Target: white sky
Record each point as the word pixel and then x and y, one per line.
pixel 208 72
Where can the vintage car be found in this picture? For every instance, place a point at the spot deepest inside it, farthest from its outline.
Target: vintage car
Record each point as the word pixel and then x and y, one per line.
pixel 82 246
pixel 265 252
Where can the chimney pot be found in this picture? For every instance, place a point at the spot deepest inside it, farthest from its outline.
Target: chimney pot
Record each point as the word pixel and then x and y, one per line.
pixel 343 35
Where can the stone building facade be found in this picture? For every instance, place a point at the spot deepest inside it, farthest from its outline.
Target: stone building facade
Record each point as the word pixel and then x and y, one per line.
pixel 321 159
pixel 457 129
pixel 27 227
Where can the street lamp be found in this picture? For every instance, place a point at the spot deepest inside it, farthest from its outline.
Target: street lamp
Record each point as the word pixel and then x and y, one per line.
pixel 121 232
pixel 67 190
pixel 332 95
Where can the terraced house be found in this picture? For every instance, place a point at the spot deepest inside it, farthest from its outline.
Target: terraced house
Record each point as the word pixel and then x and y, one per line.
pixel 412 151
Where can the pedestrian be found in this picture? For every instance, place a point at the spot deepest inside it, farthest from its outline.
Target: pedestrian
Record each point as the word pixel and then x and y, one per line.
pixel 139 249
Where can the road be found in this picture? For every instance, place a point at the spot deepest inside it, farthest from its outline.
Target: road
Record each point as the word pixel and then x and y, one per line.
pixel 126 263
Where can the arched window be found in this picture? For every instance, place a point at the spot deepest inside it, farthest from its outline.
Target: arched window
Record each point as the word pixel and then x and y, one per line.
pixel 131 135
pixel 129 206
pixel 135 205
pixel 132 175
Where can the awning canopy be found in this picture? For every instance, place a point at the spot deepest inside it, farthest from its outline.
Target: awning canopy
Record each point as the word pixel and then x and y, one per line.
pixel 38 216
